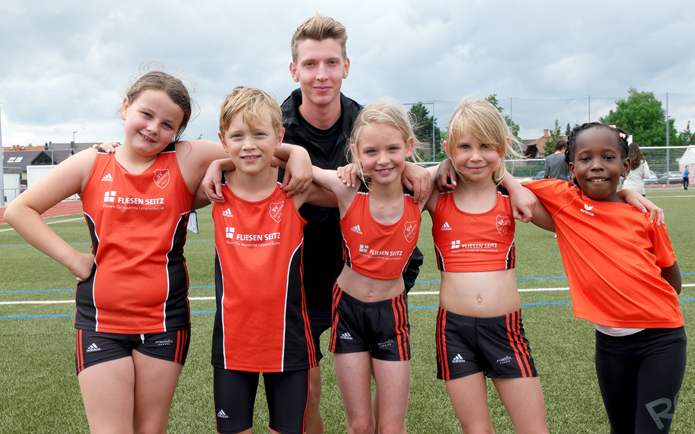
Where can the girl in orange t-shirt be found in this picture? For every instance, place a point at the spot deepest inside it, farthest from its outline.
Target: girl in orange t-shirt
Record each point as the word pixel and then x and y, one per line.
pixel 623 277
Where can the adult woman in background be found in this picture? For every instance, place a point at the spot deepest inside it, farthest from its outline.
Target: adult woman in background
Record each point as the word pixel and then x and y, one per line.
pixel 639 170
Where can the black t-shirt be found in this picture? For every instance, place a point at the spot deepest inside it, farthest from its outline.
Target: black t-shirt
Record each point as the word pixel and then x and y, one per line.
pixel 325 139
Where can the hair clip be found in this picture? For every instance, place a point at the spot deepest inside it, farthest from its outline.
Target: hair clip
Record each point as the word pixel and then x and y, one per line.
pixel 612 126
pixel 623 136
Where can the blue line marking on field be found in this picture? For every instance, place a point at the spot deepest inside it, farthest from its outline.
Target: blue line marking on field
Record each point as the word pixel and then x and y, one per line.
pixel 204 312
pixel 212 286
pixel 37 290
pixel 29 245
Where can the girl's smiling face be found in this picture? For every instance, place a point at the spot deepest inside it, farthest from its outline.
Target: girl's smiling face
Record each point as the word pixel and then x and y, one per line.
pixel 598 163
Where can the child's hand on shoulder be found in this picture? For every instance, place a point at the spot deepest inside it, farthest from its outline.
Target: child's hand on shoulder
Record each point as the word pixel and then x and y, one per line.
pixel 446 176
pixel 108 147
pixel 643 205
pixel 348 174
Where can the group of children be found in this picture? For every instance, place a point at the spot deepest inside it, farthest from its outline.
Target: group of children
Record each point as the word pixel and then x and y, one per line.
pixel 133 318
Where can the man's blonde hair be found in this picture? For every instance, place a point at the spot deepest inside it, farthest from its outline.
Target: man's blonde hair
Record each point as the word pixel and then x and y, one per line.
pixel 253 103
pixel 487 125
pixel 319 27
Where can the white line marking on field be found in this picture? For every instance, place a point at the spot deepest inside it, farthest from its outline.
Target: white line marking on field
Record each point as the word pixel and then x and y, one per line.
pixel 48 223
pixel 212 298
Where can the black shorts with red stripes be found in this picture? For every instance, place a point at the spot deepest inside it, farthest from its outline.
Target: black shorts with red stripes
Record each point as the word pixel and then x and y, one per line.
pixel 496 346
pixel 287 394
pixel 382 327
pixel 92 347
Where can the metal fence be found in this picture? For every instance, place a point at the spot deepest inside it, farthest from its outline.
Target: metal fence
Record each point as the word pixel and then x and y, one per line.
pixel 661 160
pixel 535 115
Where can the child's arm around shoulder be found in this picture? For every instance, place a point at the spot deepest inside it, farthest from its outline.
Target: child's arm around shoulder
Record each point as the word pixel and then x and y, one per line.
pixel 329 180
pixel 24 213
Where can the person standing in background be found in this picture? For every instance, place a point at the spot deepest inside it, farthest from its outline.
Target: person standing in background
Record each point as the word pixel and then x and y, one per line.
pixel 686 178
pixel 555 166
pixel 639 170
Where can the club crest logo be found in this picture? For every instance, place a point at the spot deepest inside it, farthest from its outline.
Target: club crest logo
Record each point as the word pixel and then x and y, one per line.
pixel 276 211
pixel 161 177
pixel 410 231
pixel 503 222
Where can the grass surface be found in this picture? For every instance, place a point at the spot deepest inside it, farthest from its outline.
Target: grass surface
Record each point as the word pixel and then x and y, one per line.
pixel 40 394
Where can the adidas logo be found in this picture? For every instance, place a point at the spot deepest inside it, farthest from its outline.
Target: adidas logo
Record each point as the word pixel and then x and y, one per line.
pixel 107 177
pixel 458 359
pixel 446 227
pixel 110 196
pixel 92 348
pixel 364 248
pixel 226 213
pixel 221 414
pixel 356 229
pixel 346 336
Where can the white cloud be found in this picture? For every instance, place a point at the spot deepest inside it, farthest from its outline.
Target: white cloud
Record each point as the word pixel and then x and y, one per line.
pixel 64 66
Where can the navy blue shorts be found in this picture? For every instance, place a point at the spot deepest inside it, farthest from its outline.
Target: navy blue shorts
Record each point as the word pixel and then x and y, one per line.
pixel 92 347
pixel 382 327
pixel 496 346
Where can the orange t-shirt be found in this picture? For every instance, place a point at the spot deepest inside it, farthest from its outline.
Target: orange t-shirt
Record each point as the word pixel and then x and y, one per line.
pixel 467 242
pixel 137 223
pixel 613 258
pixel 261 324
pixel 377 250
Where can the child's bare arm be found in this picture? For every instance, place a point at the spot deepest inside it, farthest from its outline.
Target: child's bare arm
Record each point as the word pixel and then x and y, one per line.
pixel 298 173
pixel 672 275
pixel 211 184
pixel 24 213
pixel 418 180
pixel 522 201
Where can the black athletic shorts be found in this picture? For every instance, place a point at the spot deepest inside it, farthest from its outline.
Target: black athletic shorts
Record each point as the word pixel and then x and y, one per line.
pixel 92 347
pixel 382 327
pixel 235 393
pixel 496 346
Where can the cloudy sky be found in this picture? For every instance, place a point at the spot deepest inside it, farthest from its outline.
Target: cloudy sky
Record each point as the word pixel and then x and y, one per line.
pixel 65 65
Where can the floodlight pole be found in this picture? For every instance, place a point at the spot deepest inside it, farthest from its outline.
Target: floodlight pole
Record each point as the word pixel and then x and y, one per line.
pixel 668 169
pixel 434 142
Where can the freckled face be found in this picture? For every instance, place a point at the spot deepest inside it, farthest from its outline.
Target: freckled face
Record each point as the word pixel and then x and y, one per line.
pixel 598 164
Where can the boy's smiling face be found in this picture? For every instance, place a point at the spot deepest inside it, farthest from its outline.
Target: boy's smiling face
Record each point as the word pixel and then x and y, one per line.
pixel 598 163
pixel 251 147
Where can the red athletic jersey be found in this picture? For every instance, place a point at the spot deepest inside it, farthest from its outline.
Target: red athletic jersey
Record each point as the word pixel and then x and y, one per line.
pixel 261 324
pixel 139 283
pixel 613 258
pixel 467 242
pixel 376 250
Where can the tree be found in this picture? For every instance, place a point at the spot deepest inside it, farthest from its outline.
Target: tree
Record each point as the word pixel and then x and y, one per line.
pixel 642 116
pixel 568 129
pixel 492 99
pixel 555 136
pixel 685 137
pixel 422 127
